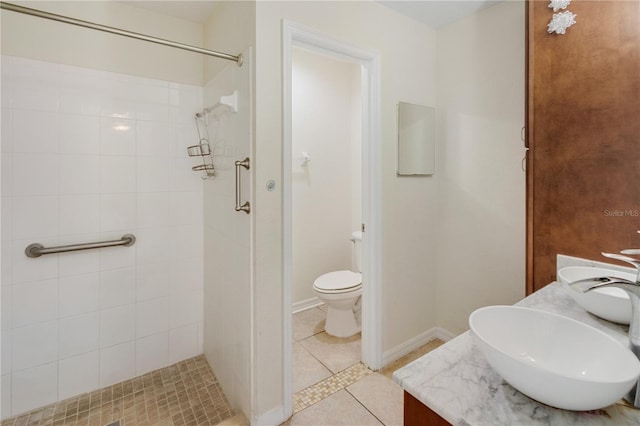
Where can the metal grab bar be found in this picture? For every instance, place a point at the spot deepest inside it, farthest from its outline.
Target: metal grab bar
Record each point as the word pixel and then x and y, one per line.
pixel 37 250
pixel 246 207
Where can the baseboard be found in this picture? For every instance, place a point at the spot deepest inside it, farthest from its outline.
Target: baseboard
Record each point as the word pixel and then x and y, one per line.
pixel 444 335
pixel 305 304
pixel 272 417
pixel 415 342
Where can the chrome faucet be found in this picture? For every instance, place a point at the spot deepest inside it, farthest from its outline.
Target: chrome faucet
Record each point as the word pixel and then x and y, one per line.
pixel 633 289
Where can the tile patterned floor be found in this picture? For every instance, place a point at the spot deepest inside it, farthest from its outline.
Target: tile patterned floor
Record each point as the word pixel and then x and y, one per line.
pixel 352 394
pixel 186 393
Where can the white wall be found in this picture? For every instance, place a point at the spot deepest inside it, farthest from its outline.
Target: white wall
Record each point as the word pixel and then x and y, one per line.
pixel 43 39
pixel 481 238
pixel 87 156
pixel 325 201
pixel 407 51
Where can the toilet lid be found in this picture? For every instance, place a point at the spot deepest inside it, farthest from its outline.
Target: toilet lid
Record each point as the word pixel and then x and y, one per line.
pixel 338 281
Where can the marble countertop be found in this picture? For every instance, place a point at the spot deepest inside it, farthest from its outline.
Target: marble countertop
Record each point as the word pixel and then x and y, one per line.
pixel 456 381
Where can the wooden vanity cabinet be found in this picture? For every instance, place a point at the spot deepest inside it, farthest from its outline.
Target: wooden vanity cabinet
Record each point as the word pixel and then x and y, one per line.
pixel 418 414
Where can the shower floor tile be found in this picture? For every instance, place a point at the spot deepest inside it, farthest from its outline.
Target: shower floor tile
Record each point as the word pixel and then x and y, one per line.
pixel 186 393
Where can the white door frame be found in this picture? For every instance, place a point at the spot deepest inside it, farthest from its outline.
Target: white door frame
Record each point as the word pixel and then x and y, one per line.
pixel 293 35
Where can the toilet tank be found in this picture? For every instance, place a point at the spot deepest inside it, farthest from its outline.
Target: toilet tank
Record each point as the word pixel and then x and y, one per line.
pixel 357 239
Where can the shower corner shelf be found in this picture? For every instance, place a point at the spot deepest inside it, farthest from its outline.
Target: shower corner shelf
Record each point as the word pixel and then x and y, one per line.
pixel 203 149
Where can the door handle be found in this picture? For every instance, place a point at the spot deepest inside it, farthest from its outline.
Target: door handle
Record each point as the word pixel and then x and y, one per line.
pixel 246 207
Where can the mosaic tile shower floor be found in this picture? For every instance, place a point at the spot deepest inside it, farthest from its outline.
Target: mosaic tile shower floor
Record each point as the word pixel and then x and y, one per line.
pixel 183 394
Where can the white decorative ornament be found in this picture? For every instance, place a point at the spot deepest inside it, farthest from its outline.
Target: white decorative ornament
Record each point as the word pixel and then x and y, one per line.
pixel 560 22
pixel 559 4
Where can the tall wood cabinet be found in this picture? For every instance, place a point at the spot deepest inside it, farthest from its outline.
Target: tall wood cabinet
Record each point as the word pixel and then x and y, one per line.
pixel 583 133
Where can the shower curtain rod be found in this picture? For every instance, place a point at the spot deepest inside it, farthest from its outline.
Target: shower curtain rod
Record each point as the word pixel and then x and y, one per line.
pixel 118 31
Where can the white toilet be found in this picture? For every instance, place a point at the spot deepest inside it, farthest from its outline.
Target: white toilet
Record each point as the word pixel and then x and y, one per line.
pixel 341 291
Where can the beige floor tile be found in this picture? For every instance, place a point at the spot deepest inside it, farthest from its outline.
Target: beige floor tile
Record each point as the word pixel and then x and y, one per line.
pixel 381 396
pixel 306 369
pixel 340 409
pixel 307 323
pixel 335 353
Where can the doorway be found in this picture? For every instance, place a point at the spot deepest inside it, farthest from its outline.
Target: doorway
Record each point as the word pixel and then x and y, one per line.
pixel 300 37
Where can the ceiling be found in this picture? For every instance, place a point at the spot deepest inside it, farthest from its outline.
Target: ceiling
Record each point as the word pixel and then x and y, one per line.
pixel 434 13
pixel 438 13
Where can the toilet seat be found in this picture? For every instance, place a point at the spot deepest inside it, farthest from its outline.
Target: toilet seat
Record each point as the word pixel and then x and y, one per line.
pixel 338 282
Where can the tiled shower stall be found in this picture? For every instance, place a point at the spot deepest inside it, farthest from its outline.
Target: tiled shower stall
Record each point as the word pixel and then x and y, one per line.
pixel 90 155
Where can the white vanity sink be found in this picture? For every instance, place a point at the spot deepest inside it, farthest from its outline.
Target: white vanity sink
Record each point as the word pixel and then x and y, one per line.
pixel 554 359
pixel 609 303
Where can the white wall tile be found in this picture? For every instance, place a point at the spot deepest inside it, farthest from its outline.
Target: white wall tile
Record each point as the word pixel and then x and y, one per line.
pixel 35 302
pixel 34 345
pixel 27 269
pixel 153 209
pixel 34 387
pixel 116 325
pixel 5 389
pixel 79 214
pixel 79 174
pixel 152 353
pixel 152 174
pixel 79 262
pixel 35 132
pixel 79 134
pixel 6 307
pixel 6 118
pixel 6 218
pixel 152 246
pixel 184 102
pixel 117 287
pixel 182 136
pixel 7 174
pixel 183 343
pixel 78 335
pixel 35 97
pixel 152 139
pixel 186 208
pixel 117 136
pixel 78 294
pixel 35 174
pixel 185 308
pixel 6 82
pixel 79 374
pixel 5 361
pixel 152 316
pixel 96 158
pixel 117 363
pixel 186 275
pixel 79 90
pixel 185 241
pixel 6 255
pixel 117 174
pixel 152 281
pixel 31 71
pixel 117 108
pixel 118 212
pixel 117 257
pixel 181 177
pixel 35 217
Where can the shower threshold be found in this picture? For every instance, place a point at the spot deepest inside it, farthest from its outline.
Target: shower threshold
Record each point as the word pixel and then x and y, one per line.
pixel 186 393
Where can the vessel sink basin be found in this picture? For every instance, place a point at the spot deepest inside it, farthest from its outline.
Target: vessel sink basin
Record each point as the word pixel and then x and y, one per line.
pixel 609 303
pixel 554 359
